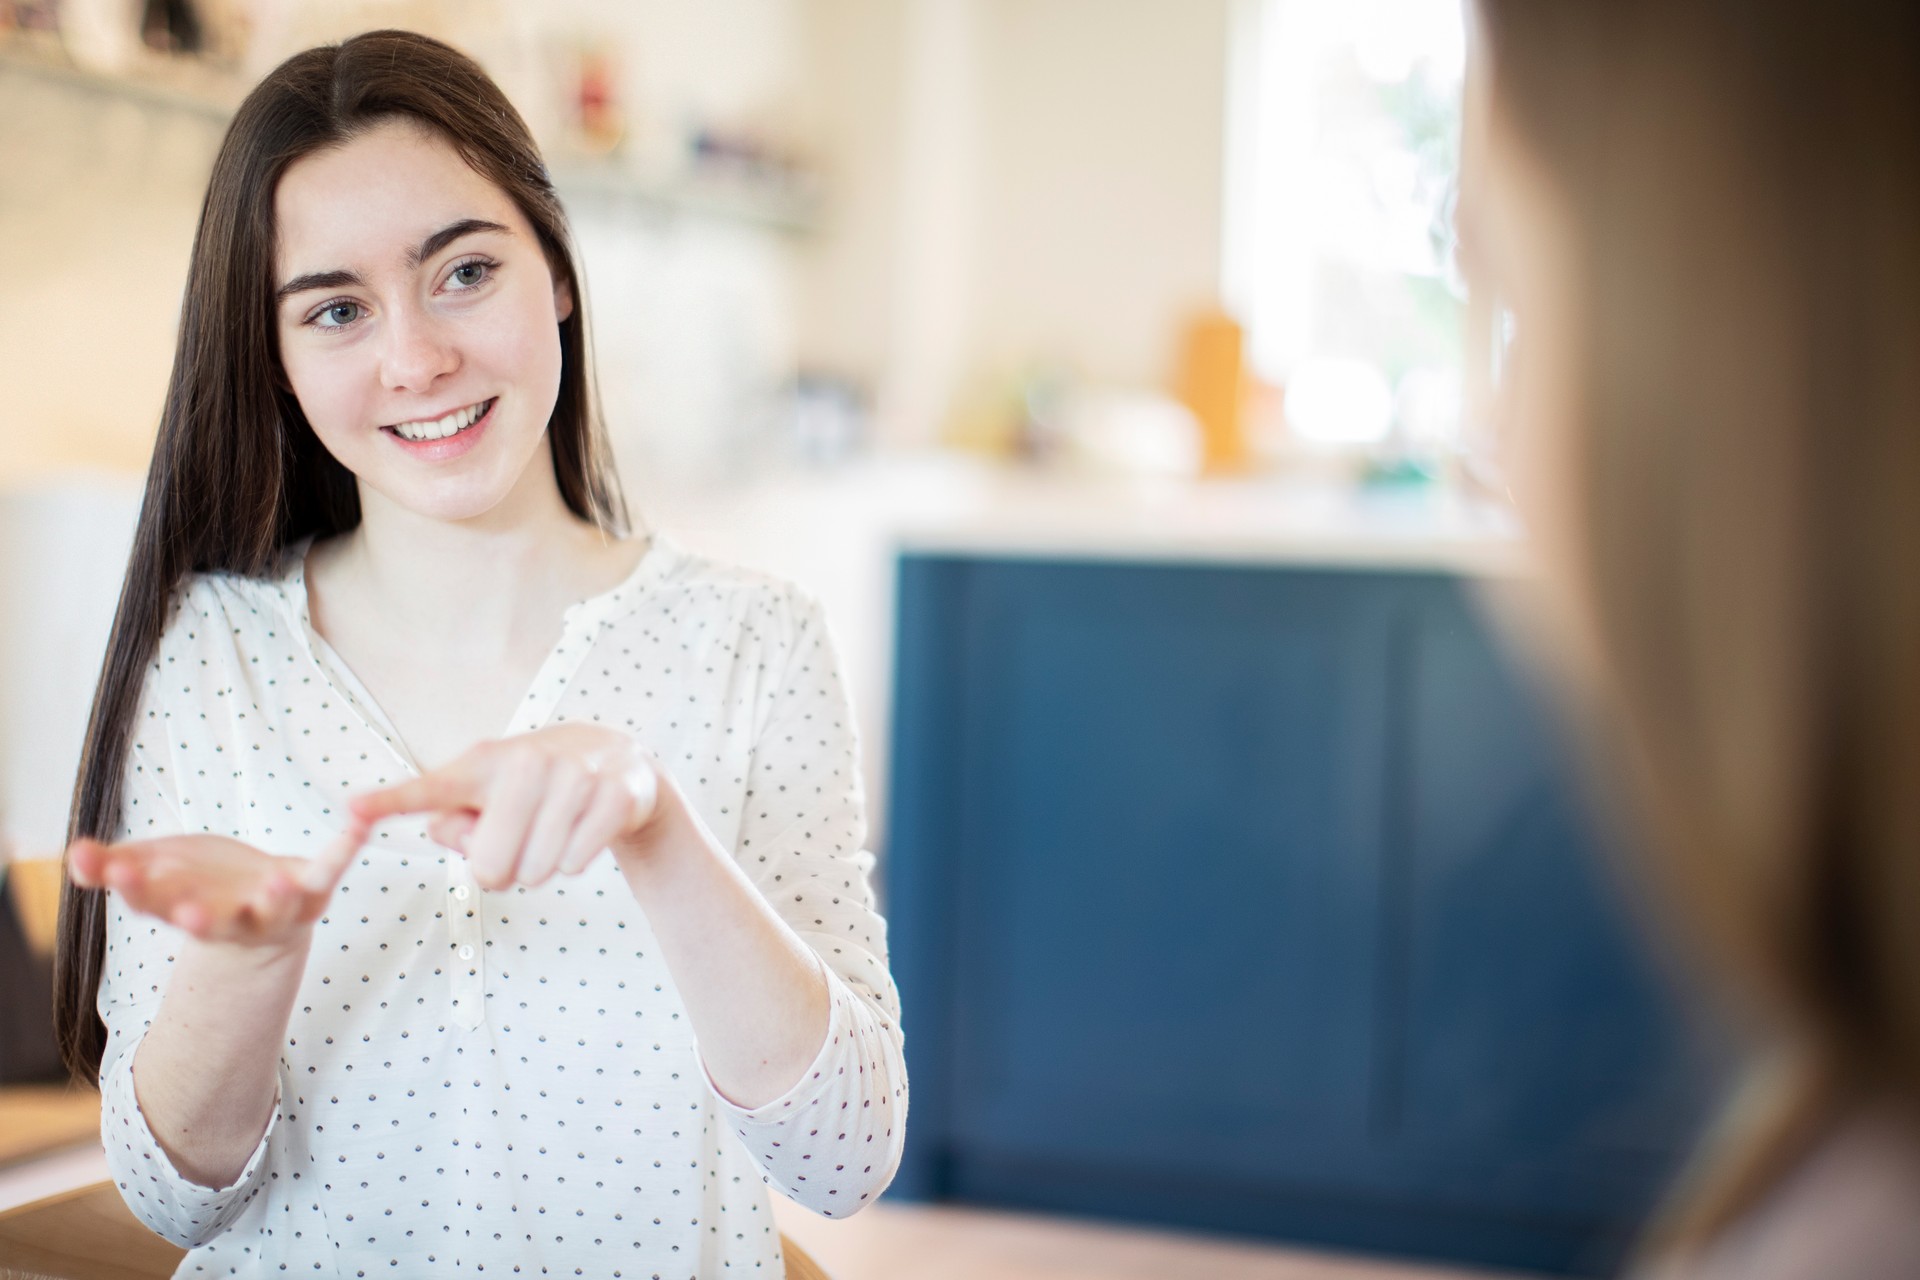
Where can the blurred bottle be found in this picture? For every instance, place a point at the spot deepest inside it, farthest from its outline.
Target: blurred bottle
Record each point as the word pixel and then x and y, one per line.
pixel 1213 385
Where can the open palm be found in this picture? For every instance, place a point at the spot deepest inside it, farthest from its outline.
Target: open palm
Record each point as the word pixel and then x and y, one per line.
pixel 216 889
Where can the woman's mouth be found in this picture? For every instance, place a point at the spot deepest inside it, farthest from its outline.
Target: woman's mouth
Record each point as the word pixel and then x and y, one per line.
pixel 446 437
pixel 440 428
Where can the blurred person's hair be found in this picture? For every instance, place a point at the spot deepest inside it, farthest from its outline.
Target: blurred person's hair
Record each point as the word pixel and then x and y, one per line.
pixel 1743 184
pixel 237 474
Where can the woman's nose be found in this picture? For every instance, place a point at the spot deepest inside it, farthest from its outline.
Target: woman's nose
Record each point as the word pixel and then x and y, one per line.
pixel 416 353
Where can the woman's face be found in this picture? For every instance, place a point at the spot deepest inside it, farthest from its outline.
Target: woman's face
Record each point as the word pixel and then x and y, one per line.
pixel 418 321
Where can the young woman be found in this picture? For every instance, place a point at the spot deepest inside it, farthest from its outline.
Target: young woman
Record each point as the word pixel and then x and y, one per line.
pixel 460 885
pixel 1705 216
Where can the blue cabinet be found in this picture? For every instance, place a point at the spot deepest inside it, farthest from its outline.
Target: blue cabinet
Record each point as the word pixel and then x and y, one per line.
pixel 1259 900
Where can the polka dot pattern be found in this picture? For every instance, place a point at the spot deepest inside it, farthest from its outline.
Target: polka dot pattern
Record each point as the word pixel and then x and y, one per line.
pixel 506 1082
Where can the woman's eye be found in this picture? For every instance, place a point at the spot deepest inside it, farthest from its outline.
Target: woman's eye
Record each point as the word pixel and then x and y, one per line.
pixel 337 315
pixel 468 274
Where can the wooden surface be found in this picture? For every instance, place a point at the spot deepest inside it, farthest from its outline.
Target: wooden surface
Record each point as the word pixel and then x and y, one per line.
pixel 86 1234
pixel 38 1118
pixel 884 1242
pixel 89 1234
pixel 890 1241
pixel 36 895
pixel 800 1266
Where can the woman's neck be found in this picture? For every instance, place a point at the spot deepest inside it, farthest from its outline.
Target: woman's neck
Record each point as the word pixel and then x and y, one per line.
pixel 499 580
pixel 446 623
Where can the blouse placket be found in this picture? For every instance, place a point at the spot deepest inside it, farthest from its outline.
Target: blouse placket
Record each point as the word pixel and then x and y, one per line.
pixel 580 628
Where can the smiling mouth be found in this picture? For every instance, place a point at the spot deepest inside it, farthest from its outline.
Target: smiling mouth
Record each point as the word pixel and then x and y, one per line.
pixel 440 428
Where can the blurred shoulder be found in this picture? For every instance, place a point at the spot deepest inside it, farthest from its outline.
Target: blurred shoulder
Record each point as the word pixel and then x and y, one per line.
pixel 1852 1208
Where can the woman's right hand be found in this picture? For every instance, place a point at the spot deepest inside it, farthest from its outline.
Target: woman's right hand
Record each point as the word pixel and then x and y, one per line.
pixel 216 889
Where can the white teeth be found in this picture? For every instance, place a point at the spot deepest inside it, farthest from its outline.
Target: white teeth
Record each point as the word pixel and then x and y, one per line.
pixel 441 428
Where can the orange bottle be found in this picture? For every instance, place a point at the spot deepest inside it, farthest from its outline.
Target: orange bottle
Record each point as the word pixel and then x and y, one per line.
pixel 1213 385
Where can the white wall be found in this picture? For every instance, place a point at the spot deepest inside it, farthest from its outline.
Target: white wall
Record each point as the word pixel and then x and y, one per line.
pixel 1102 214
pixel 855 85
pixel 99 197
pixel 1021 180
pixel 63 550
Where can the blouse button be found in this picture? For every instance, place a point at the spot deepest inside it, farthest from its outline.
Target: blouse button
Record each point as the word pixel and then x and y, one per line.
pixel 466 953
pixel 460 892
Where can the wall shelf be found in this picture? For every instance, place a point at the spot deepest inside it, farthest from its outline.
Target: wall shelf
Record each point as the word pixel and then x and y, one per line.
pixel 167 84
pixel 791 211
pixel 176 85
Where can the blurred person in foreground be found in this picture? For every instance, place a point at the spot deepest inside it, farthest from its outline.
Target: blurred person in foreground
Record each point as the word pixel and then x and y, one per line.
pixel 1704 217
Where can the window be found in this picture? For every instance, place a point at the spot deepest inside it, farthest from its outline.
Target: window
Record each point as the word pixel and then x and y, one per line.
pixel 1344 146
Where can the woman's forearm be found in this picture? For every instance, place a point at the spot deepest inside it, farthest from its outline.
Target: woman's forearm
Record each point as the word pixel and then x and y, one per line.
pixel 756 994
pixel 206 1073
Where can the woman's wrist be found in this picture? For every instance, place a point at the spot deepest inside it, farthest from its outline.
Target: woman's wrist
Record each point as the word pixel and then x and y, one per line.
pixel 255 958
pixel 667 830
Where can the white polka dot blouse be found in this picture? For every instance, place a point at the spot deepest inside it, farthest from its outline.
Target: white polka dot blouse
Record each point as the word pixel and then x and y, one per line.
pixel 506 1082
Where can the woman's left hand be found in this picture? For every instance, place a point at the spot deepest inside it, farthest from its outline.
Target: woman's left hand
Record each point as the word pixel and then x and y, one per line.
pixel 525 809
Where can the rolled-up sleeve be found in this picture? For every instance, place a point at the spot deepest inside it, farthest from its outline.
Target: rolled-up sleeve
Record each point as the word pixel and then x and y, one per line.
pixel 832 1141
pixel 138 961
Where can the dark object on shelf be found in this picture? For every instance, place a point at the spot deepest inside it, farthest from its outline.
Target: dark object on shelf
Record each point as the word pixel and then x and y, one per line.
pixel 29 15
pixel 27 1050
pixel 171 26
pixel 1259 900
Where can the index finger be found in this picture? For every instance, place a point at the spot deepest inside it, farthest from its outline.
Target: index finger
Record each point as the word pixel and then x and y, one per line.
pixel 442 789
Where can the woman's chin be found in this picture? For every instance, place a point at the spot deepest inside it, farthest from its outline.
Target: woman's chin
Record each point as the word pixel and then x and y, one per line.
pixel 462 500
pixel 489 491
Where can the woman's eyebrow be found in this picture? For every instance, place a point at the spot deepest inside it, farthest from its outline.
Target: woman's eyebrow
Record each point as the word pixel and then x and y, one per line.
pixel 338 279
pixel 448 234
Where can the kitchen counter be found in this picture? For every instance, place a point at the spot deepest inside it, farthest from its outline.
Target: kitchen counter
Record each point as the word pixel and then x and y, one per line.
pixel 937 503
pixel 1251 521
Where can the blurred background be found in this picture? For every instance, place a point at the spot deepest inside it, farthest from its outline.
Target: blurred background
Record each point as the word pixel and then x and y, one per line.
pixel 1104 366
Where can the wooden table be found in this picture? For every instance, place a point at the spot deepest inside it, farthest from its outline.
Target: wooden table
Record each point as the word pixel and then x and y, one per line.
pixel 84 1231
pixel 84 1234
pixel 39 1118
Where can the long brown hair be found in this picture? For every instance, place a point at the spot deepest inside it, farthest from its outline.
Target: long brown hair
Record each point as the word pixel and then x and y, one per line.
pixel 237 473
pixel 1742 179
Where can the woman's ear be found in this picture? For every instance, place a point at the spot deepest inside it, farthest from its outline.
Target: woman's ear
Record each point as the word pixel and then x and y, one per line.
pixel 562 300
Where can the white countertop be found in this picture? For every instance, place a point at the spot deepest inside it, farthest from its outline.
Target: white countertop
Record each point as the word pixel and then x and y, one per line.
pixel 1261 521
pixel 954 505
